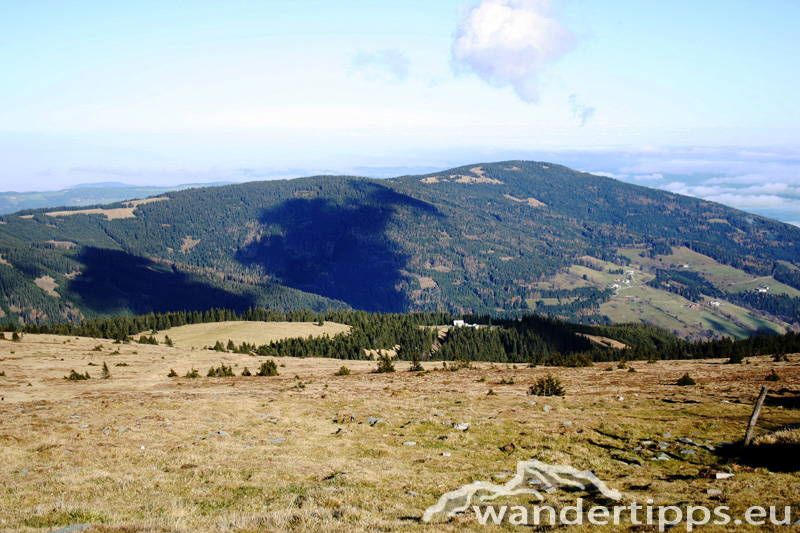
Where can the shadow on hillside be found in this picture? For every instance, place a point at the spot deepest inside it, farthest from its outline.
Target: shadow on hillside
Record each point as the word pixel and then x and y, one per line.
pixel 115 282
pixel 340 249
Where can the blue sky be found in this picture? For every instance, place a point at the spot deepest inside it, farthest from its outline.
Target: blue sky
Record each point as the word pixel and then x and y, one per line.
pixel 695 97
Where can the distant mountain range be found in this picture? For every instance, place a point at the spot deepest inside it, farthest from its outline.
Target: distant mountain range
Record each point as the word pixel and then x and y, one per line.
pixel 83 195
pixel 495 238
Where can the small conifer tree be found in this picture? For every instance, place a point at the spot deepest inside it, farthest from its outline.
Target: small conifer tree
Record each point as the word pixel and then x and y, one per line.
pixel 268 368
pixel 385 364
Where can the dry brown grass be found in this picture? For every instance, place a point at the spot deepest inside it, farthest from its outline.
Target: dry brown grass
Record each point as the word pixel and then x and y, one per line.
pixel 533 202
pixel 111 214
pixel 605 341
pixel 258 333
pixel 188 243
pixel 48 285
pixel 140 452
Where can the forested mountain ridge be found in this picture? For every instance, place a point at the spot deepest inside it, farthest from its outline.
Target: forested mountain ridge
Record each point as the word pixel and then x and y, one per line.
pixel 489 238
pixel 80 195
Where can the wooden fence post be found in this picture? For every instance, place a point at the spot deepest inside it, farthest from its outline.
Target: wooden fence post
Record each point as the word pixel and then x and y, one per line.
pixel 754 417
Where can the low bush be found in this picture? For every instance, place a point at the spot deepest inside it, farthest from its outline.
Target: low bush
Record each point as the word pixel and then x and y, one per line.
pixel 547 386
pixel 221 372
pixel 74 376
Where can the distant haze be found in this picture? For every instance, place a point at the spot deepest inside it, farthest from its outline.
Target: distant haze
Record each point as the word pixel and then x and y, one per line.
pixel 691 97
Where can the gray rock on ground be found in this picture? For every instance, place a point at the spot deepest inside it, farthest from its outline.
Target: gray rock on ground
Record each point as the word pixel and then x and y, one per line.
pixel 372 421
pixel 72 529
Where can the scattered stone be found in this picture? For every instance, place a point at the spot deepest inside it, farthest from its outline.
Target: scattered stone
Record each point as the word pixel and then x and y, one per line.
pixel 72 529
pixel 446 454
pixel 723 475
pixel 647 442
pixel 688 452
pixel 372 421
pixel 663 445
pixel 686 440
pixel 412 493
pixel 531 402
pixel 106 432
pixel 714 492
pixel 409 443
pixel 23 472
pixel 84 425
pixel 667 435
pixel 566 423
pixel 277 441
pixel 547 408
pixel 621 398
pixel 662 457
pixel 123 430
pixel 223 433
pixel 638 449
pixel 462 426
pixel 75 416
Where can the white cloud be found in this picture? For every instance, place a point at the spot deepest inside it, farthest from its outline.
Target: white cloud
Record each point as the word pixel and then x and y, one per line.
pixel 384 65
pixel 753 201
pixel 580 111
pixel 510 42
pixel 649 177
pixel 607 174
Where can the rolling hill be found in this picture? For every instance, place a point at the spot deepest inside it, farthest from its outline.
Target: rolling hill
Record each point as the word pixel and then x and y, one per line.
pixel 501 238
